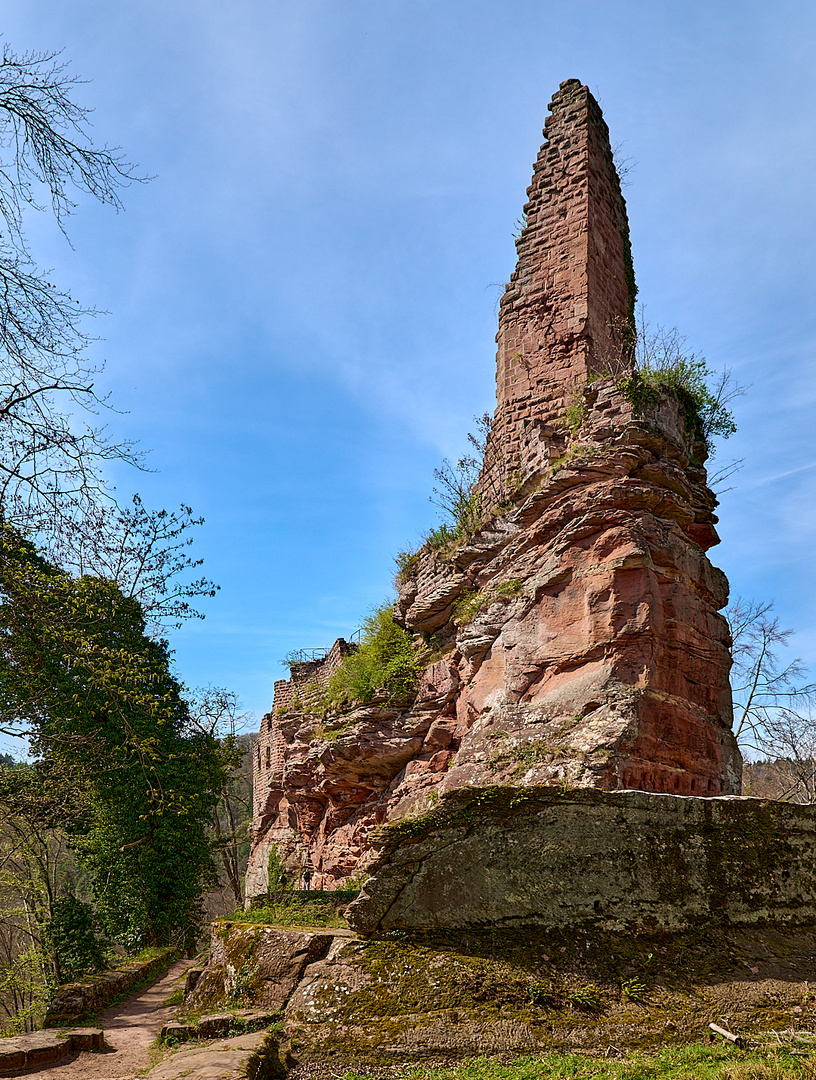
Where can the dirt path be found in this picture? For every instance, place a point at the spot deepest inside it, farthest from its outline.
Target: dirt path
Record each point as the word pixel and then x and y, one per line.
pixel 130 1029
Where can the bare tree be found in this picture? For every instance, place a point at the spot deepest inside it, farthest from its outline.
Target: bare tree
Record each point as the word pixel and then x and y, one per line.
pixel 773 707
pixel 761 682
pixel 790 736
pixel 52 448
pixel 215 714
pixel 145 552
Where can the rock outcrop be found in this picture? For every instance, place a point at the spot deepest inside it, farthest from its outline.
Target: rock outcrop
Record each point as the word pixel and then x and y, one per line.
pixel 562 860
pixel 575 637
pixel 436 997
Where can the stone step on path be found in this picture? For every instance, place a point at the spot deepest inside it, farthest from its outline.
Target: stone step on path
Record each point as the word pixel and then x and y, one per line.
pixel 39 1049
pixel 254 1054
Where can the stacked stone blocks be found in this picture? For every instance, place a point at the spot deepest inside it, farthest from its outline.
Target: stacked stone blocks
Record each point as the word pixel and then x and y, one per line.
pixel 566 311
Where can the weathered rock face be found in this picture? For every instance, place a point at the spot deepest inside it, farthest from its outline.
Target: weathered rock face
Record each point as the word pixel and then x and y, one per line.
pixel 423 996
pixel 610 861
pixel 576 636
pixel 256 963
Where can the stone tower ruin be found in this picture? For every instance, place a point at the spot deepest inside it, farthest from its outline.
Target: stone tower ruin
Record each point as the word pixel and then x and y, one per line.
pixel 568 310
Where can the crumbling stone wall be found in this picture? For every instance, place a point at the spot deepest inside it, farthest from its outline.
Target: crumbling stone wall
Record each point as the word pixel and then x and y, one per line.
pixel 308 680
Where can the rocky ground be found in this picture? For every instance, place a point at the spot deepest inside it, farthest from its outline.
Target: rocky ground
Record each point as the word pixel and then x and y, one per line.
pixel 376 1004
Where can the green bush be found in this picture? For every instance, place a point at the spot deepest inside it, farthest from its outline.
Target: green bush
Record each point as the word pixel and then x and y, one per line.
pixel 319 911
pixel 77 950
pixel 277 878
pixel 384 660
pixel 444 536
pixel 663 363
pixel 407 564
pixel 687 378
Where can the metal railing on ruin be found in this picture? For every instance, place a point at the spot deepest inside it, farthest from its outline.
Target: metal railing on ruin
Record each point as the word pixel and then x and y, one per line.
pixel 307 656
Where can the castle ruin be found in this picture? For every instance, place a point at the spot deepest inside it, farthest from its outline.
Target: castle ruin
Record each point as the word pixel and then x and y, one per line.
pixel 576 637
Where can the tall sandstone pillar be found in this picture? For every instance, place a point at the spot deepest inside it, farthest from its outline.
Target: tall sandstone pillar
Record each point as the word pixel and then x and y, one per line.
pixel 576 637
pixel 610 666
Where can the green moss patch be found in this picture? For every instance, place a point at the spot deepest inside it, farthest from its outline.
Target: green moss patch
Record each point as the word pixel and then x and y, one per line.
pixel 446 994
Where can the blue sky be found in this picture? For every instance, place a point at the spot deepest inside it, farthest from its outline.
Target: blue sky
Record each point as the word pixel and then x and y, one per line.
pixel 302 303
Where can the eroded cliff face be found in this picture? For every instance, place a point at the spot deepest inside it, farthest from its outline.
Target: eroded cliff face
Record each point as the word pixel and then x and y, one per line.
pixel 576 637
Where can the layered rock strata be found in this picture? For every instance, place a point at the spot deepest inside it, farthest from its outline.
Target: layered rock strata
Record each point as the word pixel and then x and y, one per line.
pixel 576 636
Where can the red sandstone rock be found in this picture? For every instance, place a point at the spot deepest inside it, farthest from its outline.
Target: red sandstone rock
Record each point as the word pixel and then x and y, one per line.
pixel 596 654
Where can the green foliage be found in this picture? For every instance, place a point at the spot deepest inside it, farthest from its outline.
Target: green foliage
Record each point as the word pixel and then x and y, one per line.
pixel 455 492
pixel 317 911
pixel 24 990
pixel 530 753
pixel 575 457
pixel 687 378
pixel 107 715
pixel 77 949
pixel 472 601
pixel 385 660
pixel 443 537
pixel 508 587
pixel 700 1061
pixel 634 989
pixel 277 878
pixel 519 225
pixel 586 998
pixel 662 364
pixel 468 606
pixel 407 562
pixel 574 413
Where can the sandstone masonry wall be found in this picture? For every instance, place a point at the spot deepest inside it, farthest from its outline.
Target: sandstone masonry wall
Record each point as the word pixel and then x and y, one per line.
pixel 309 678
pixel 568 307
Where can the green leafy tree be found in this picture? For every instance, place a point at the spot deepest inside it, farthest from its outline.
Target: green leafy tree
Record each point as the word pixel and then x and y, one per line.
pixel 34 804
pixel 100 702
pixel 77 949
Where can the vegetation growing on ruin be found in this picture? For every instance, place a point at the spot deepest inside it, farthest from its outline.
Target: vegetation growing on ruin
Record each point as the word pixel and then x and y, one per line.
pixel 472 601
pixel 689 379
pixel 385 661
pixel 326 910
pixel 407 565
pixel 663 364
pixel 659 363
